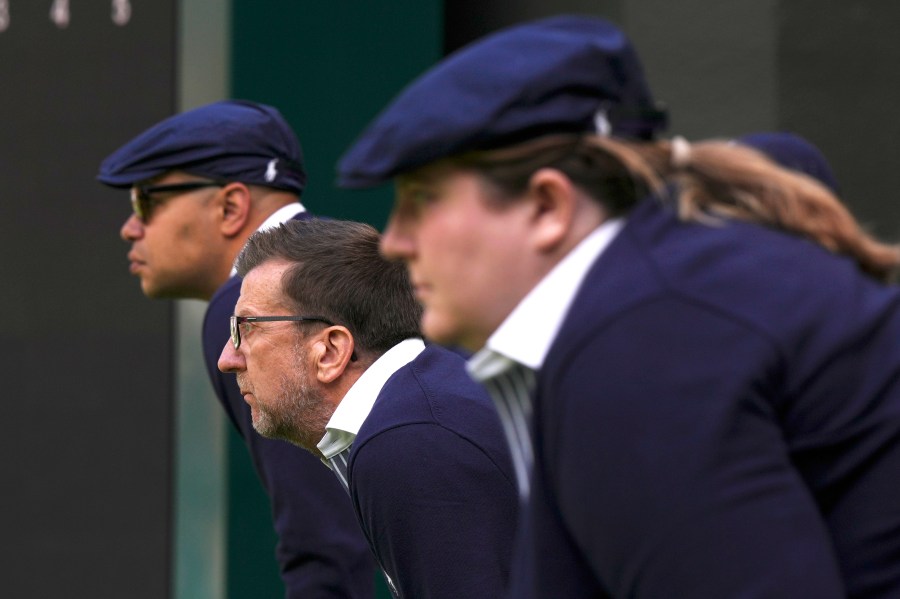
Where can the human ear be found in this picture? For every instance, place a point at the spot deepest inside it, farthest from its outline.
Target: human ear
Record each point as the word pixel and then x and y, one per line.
pixel 333 350
pixel 235 208
pixel 552 197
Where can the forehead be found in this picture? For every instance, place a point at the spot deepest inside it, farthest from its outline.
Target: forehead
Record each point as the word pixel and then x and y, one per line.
pixel 430 174
pixel 261 289
pixel 453 189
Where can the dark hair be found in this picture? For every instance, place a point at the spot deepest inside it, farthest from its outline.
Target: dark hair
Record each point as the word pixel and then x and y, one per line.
pixel 719 179
pixel 599 173
pixel 337 272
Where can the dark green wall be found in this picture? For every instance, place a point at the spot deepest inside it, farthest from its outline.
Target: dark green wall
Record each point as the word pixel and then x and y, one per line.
pixel 329 67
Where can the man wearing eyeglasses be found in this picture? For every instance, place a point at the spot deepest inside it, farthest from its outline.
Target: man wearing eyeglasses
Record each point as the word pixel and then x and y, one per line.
pixel 326 346
pixel 201 183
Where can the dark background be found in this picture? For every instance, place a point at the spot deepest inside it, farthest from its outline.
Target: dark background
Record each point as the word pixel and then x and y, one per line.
pixel 87 441
pixel 85 437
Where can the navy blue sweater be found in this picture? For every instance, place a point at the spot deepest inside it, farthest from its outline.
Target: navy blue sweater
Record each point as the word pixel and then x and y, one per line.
pixel 432 482
pixel 719 416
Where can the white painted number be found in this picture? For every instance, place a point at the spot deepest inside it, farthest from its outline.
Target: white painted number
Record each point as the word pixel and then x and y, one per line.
pixel 59 13
pixel 121 12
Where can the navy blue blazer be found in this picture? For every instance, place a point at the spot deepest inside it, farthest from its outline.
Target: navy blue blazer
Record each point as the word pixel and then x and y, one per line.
pixel 719 416
pixel 321 550
pixel 432 482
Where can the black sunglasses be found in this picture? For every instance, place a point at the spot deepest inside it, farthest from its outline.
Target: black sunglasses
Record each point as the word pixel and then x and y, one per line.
pixel 237 321
pixel 142 203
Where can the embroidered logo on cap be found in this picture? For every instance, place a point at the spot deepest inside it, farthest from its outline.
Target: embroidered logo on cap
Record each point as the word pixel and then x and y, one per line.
pixel 601 123
pixel 271 171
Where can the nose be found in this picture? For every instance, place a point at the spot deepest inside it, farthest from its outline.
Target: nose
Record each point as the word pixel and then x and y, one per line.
pixel 231 360
pixel 132 228
pixel 397 241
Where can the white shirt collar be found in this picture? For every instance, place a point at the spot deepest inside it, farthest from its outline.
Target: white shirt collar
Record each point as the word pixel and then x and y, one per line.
pixel 354 408
pixel 282 215
pixel 526 334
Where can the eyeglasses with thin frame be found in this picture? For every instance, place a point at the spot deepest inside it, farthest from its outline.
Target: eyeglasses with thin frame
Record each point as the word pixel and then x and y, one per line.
pixel 237 321
pixel 142 203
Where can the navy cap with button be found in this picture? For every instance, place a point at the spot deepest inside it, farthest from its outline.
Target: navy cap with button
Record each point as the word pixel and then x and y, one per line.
pixel 562 74
pixel 230 140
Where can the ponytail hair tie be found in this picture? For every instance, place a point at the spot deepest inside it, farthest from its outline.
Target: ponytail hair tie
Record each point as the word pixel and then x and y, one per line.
pixel 680 150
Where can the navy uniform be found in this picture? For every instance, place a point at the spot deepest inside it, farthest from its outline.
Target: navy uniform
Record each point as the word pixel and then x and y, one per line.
pixel 717 410
pixel 320 549
pixel 428 473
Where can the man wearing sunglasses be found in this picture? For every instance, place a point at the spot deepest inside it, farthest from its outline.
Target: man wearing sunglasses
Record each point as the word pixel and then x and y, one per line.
pixel 326 346
pixel 201 183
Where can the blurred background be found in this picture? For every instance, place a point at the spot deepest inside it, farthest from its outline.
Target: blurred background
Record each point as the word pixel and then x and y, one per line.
pixel 120 475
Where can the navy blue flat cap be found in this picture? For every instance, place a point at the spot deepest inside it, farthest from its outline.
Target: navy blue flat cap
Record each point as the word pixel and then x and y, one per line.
pixel 232 140
pixel 793 152
pixel 562 74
